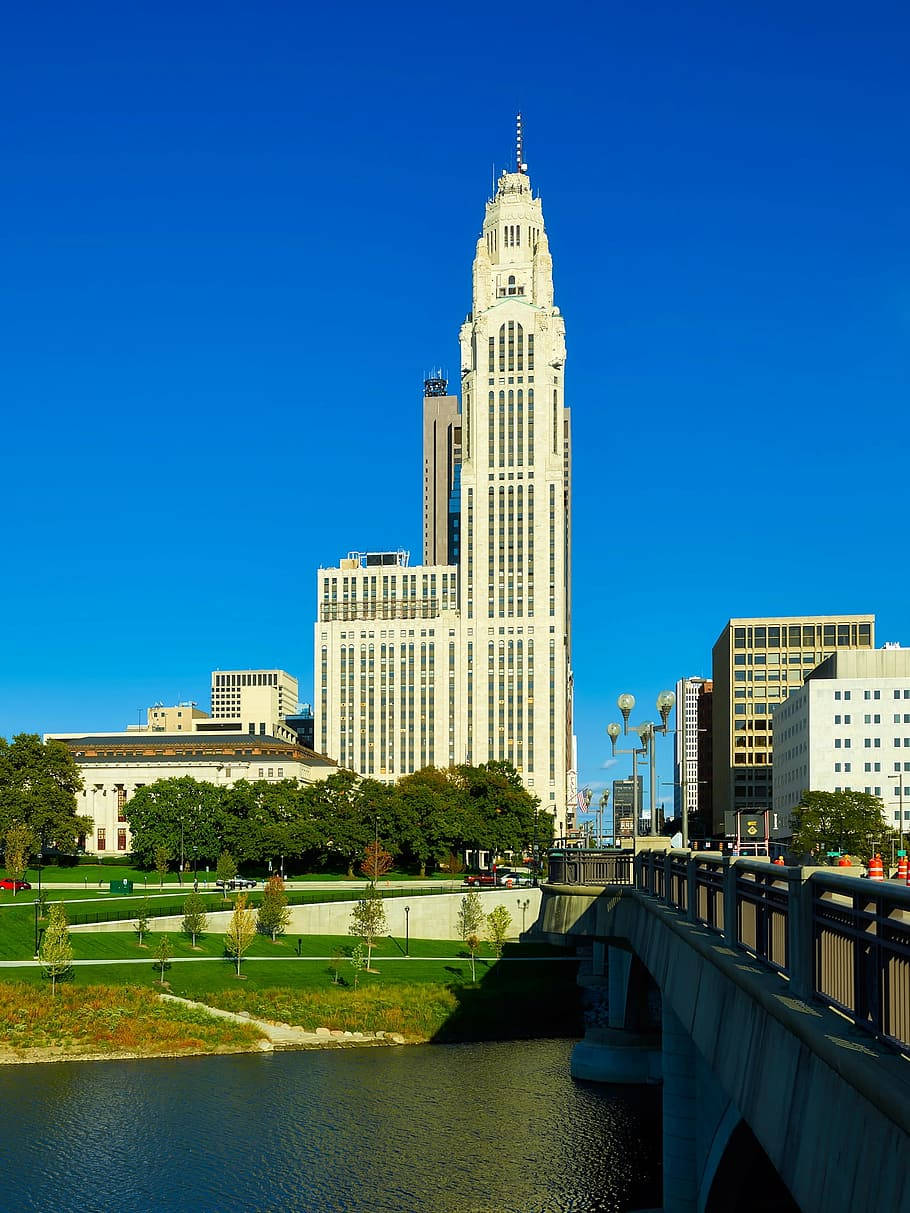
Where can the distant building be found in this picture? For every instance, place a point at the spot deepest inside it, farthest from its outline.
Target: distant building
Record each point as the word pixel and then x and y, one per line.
pixel 847 728
pixel 181 718
pixel 302 723
pixel 441 474
pixel 623 806
pixel 115 765
pixel 757 663
pixel 693 751
pixel 252 701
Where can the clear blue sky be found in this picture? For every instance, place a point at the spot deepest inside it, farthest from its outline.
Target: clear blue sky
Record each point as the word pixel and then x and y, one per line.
pixel 236 236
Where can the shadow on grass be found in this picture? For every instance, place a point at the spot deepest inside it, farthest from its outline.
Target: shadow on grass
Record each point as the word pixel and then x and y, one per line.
pixel 515 999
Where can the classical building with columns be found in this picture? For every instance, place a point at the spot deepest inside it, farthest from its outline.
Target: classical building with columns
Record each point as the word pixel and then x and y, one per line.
pixel 470 661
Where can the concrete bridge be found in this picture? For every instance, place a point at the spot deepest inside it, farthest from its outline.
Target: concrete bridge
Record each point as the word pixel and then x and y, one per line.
pixel 772 1003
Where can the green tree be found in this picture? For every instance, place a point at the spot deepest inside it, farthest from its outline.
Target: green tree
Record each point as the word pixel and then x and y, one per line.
pixel 56 953
pixel 163 955
pixel 195 920
pixel 499 921
pixel 431 815
pixel 274 915
pixel 853 822
pixel 368 921
pixel 19 844
pixel 358 962
pixel 342 816
pixel 38 786
pixel 143 914
pixel 163 857
pixel 226 868
pixel 174 811
pixel 241 931
pixel 470 924
pixel 337 957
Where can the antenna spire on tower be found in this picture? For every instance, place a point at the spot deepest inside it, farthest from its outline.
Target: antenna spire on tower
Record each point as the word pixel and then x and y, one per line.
pixel 520 165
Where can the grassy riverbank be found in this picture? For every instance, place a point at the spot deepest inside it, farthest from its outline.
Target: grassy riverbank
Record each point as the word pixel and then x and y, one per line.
pixel 106 1021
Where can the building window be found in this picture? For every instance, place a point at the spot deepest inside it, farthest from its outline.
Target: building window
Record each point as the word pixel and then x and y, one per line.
pixel 121 840
pixel 102 840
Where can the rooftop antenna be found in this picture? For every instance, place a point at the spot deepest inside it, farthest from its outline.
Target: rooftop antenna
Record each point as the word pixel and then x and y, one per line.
pixel 520 166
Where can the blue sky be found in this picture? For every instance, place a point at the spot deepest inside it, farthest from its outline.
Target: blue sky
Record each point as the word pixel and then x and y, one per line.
pixel 236 237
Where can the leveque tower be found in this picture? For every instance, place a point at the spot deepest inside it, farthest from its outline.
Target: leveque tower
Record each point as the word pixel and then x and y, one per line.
pixel 466 658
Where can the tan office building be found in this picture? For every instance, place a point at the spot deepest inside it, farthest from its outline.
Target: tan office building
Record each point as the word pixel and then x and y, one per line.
pixel 756 664
pixel 485 658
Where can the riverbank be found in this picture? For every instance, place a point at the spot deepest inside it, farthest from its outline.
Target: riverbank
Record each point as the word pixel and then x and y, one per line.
pixel 517 1000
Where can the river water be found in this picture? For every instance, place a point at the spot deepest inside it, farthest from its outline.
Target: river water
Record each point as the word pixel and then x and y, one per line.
pixel 474 1128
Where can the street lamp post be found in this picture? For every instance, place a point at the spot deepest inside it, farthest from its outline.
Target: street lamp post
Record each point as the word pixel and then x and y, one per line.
pixel 407 930
pixel 647 733
pixel 604 798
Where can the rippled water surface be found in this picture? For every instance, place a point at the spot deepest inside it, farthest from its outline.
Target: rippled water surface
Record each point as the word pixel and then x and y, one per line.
pixel 470 1128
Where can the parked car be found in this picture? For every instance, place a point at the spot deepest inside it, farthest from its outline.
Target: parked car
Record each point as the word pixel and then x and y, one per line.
pixel 480 880
pixel 15 885
pixel 238 882
pixel 509 879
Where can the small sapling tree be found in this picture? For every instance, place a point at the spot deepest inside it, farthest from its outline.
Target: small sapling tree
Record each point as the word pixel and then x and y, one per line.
pixel 162 862
pixel 358 962
pixel 163 955
pixel 274 915
pixel 194 916
pixel 141 923
pixel 368 922
pixel 56 953
pixel 241 931
pixel 225 870
pixel 499 921
pixel 18 846
pixel 376 862
pixel 470 924
pixel 337 958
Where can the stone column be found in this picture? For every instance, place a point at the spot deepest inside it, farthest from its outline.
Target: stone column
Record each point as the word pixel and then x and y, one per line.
pixel 680 1185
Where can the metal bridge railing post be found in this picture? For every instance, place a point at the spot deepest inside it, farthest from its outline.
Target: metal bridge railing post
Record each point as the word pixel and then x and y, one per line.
pixel 731 910
pixel 800 945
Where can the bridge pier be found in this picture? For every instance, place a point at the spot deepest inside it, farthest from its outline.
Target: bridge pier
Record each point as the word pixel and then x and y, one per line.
pixel 619 1045
pixel 679 1119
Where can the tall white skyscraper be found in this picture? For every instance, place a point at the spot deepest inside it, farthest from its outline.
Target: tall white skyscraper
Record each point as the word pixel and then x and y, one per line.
pixel 410 673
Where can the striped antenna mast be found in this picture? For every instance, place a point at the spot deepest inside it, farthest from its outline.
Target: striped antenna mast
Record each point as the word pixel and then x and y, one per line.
pixel 520 166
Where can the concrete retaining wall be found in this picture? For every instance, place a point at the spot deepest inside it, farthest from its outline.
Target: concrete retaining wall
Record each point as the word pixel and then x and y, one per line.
pixel 434 917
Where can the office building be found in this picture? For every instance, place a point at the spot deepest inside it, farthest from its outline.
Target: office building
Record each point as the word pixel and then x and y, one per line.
pixel 469 662
pixel 693 754
pixel 441 474
pixel 847 729
pixel 757 663
pixel 623 806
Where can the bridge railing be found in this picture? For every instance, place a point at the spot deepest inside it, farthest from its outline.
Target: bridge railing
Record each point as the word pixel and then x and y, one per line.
pixel 839 940
pixel 590 867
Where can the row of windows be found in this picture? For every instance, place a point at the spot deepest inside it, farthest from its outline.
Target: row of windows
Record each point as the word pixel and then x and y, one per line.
pixel 807 635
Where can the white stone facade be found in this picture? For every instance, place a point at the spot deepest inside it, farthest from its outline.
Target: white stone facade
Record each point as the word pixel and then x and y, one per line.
pixel 113 766
pixel 848 733
pixel 486 660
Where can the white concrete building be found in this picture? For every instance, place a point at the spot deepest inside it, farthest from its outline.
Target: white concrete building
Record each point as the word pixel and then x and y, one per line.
pixel 485 661
pixel 847 728
pixel 114 765
pixel 689 744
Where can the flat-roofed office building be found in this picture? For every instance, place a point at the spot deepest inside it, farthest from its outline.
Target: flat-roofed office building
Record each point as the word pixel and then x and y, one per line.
pixel 757 663
pixel 847 729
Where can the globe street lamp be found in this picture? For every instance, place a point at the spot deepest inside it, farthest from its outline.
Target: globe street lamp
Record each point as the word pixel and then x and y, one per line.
pixel 647 732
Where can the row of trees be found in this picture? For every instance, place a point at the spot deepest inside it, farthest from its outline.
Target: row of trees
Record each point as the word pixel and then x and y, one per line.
pixel 422 819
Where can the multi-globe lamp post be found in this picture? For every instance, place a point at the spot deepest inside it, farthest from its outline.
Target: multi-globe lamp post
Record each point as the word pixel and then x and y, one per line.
pixel 647 732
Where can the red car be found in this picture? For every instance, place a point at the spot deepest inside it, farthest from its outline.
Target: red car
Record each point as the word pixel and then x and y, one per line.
pixel 480 880
pixel 15 885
